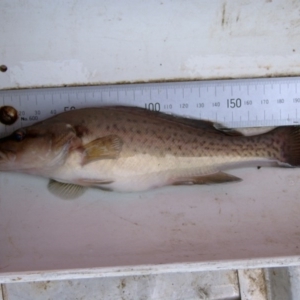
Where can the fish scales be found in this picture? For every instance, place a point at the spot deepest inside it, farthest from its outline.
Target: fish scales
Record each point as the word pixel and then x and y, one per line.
pixel 131 149
pixel 162 137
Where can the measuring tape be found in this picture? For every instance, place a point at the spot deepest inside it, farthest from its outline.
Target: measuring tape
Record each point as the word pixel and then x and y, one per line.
pixel 233 103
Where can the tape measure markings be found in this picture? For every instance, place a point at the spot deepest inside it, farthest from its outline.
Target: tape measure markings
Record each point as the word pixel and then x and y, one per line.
pixel 235 103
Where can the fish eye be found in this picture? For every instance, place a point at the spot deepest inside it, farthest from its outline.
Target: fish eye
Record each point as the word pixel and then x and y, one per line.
pixel 19 135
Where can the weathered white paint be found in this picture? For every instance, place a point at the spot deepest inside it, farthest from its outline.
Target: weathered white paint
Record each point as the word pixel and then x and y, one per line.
pixel 144 270
pixel 197 285
pixel 67 71
pixel 92 42
pixel 252 284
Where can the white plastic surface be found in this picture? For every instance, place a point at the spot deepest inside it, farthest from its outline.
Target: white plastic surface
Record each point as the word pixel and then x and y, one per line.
pixel 91 42
pixel 257 218
pixel 253 223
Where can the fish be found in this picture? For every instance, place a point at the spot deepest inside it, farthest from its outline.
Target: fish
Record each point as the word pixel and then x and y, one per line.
pixel 130 149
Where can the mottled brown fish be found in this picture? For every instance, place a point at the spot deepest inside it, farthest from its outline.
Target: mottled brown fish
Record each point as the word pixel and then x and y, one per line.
pixel 130 149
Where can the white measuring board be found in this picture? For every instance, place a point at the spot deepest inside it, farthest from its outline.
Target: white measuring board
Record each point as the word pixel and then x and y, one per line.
pixel 233 103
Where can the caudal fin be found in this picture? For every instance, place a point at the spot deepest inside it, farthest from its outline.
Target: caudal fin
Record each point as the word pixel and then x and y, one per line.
pixel 291 144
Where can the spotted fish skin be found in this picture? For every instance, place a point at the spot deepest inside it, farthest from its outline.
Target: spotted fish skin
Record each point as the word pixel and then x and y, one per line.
pixel 129 149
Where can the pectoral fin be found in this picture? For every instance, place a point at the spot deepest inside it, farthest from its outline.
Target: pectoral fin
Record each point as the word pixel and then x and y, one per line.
pixel 219 177
pixel 66 191
pixel 107 147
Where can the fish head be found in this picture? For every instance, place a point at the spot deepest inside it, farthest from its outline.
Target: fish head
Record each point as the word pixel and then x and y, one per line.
pixel 35 148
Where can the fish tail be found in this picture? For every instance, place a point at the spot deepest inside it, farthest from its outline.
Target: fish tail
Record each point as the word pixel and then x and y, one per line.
pixel 290 150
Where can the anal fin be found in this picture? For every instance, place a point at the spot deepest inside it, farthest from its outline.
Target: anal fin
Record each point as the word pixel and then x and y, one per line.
pixel 219 177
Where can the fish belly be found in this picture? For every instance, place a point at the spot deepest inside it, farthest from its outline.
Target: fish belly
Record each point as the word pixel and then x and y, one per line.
pixel 143 171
